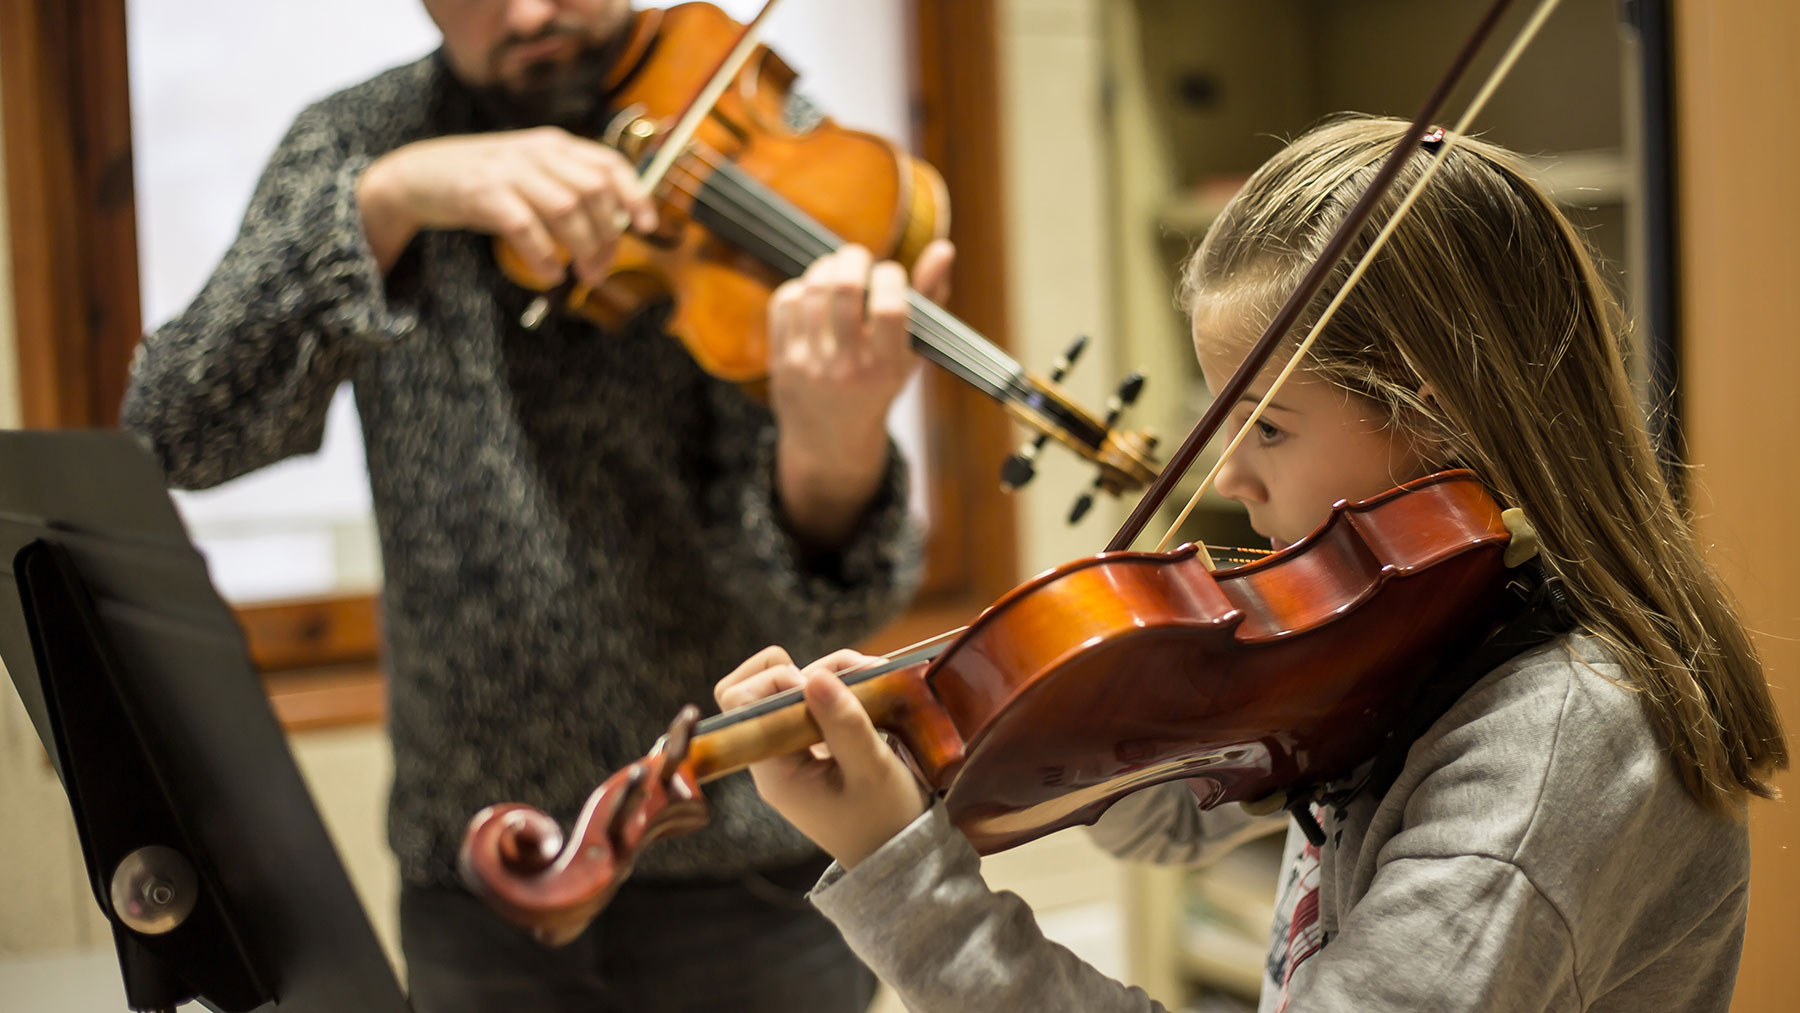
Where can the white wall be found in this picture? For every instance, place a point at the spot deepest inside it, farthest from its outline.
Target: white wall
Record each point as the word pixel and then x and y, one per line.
pixel 215 84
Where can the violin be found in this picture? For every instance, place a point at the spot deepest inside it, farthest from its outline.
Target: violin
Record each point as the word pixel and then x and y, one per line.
pixel 1107 674
pixel 748 203
pixel 1093 680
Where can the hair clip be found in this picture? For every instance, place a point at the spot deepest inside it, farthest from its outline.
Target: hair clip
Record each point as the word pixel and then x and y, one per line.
pixel 1433 140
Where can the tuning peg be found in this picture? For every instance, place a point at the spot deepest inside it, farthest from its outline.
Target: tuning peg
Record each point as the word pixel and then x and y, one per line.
pixel 1123 398
pixel 1083 503
pixel 1021 467
pixel 1066 361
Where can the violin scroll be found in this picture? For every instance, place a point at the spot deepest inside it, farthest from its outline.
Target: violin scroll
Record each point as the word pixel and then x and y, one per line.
pixel 514 857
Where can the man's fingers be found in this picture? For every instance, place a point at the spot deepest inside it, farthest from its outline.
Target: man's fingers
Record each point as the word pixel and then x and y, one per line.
pixel 931 272
pixel 563 213
pixel 598 210
pixel 814 335
pixel 632 197
pixel 887 313
pixel 784 319
pixel 635 206
pixel 516 222
pixel 849 279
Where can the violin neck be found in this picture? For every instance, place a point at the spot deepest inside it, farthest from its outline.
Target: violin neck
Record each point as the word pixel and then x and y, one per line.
pixel 895 694
pixel 747 214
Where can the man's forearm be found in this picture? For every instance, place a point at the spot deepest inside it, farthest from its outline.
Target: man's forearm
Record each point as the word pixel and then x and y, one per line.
pixel 823 500
pixel 386 224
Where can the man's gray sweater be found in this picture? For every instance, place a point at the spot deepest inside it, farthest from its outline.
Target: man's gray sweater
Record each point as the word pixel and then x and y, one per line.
pixel 579 530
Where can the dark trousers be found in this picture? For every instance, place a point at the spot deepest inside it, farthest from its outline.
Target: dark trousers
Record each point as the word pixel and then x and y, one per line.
pixel 747 945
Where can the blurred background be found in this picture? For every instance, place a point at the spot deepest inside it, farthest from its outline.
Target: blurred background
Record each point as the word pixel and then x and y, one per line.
pixel 1087 144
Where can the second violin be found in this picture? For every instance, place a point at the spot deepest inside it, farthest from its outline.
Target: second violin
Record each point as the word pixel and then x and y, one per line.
pixel 750 202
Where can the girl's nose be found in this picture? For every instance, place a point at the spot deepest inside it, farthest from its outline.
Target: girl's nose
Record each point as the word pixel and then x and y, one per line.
pixel 1240 483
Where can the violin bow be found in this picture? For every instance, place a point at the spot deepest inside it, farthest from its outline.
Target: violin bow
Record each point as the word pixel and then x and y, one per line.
pixel 1309 287
pixel 674 144
pixel 1501 69
pixel 1328 259
pixel 677 139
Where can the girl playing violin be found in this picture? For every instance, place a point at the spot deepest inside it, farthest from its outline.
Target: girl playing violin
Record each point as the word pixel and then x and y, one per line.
pixel 1569 833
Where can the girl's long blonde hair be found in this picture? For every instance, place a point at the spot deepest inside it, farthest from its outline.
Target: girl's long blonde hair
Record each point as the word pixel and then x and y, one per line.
pixel 1484 326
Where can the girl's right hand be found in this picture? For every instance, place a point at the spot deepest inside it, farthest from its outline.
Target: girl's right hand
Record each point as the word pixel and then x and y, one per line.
pixel 851 795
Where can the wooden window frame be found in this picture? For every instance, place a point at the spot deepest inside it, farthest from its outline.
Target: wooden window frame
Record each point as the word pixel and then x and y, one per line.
pixel 65 100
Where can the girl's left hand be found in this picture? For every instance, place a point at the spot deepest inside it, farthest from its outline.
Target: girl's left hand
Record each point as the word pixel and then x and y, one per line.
pixel 850 796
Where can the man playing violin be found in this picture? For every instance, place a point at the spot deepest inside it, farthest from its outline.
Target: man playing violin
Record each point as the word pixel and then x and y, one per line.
pixel 579 529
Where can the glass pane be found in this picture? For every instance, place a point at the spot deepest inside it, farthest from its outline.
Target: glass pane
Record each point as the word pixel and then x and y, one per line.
pixel 214 86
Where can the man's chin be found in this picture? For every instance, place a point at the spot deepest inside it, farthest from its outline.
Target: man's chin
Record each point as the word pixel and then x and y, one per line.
pixel 572 108
pixel 560 93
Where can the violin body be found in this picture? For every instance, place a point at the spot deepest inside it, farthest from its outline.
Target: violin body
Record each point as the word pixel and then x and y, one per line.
pixel 1110 673
pixel 711 276
pixel 1090 681
pixel 1123 670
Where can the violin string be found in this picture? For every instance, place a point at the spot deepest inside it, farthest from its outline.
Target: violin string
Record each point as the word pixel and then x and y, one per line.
pixel 791 234
pixel 737 205
pixel 710 92
pixel 786 243
pixel 1233 555
pixel 1498 74
pixel 945 330
pixel 815 241
pixel 782 243
pixel 975 359
pixel 893 661
pixel 811 240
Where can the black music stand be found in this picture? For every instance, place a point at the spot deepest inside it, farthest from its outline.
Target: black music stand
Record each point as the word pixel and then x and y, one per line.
pixel 201 841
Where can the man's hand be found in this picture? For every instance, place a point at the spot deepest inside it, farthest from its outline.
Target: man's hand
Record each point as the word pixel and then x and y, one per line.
pixel 839 354
pixel 555 198
pixel 852 793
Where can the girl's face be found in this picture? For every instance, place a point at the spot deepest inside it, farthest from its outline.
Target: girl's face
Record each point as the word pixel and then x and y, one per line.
pixel 1316 444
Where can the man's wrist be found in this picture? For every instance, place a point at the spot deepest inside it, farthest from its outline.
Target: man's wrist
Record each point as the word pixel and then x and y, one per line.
pixel 824 491
pixel 387 225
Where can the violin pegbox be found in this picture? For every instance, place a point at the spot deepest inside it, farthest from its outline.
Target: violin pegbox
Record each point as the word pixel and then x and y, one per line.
pixel 1123 457
pixel 1130 445
pixel 1021 467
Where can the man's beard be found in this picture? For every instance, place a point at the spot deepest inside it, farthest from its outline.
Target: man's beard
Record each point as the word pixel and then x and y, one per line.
pixel 568 94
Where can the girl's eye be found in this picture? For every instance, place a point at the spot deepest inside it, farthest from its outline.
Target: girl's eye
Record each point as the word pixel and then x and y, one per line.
pixel 1266 433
